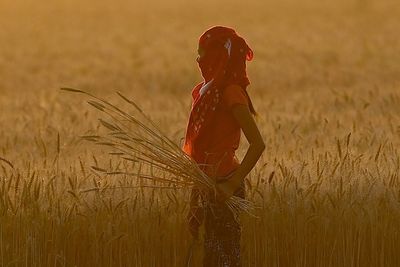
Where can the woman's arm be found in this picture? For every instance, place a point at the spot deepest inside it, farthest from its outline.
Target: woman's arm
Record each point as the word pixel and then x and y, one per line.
pixel 249 127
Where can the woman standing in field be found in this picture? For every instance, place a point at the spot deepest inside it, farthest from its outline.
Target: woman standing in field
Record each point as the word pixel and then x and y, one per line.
pixel 221 107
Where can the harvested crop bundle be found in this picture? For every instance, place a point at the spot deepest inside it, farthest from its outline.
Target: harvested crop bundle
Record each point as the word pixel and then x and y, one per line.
pixel 136 138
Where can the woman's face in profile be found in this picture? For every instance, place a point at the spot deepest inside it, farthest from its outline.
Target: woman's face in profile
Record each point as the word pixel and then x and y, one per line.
pixel 204 64
pixel 207 61
pixel 200 54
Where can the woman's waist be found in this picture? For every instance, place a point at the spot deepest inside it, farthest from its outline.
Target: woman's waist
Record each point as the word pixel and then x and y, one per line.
pixel 216 155
pixel 219 164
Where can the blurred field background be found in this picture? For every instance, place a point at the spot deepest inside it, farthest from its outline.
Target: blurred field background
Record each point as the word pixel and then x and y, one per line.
pixel 325 82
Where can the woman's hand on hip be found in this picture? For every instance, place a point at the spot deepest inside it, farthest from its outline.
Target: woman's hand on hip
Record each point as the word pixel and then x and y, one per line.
pixel 227 188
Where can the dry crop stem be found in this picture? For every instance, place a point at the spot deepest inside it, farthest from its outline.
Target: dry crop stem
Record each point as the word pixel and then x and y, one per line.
pixel 325 81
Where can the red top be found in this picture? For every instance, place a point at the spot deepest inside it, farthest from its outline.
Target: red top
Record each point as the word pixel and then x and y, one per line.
pixel 212 133
pixel 224 136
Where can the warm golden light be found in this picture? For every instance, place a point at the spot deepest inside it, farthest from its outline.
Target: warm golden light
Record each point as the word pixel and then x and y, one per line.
pixel 325 81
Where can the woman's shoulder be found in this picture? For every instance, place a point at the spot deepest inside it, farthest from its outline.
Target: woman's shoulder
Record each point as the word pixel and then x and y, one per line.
pixel 234 94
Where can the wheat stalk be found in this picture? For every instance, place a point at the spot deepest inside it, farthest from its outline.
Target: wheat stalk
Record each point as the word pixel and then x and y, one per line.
pixel 138 138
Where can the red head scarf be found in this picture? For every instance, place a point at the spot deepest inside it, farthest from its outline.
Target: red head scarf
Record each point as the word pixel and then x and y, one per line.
pixel 222 61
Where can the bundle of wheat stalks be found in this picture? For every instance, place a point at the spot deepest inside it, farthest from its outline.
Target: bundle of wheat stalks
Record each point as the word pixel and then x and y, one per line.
pixel 137 138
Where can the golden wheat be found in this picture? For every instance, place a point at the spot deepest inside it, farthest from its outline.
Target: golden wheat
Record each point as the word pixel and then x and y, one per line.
pixel 325 81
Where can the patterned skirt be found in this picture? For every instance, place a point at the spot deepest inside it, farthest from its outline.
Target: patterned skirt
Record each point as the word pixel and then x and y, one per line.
pixel 222 234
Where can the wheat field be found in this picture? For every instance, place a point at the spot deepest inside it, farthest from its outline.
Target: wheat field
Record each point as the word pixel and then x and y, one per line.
pixel 325 81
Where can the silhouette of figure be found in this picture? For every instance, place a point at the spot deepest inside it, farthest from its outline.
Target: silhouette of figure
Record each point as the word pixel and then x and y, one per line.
pixel 221 108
